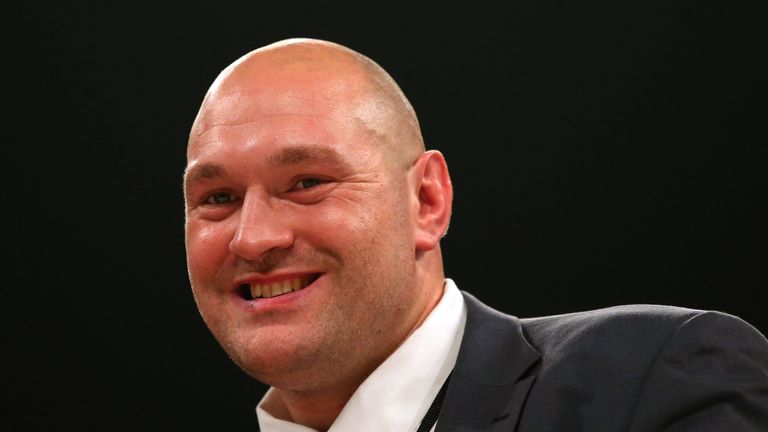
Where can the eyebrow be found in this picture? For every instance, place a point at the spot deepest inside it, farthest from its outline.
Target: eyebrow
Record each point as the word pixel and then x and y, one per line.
pixel 204 171
pixel 285 157
pixel 306 153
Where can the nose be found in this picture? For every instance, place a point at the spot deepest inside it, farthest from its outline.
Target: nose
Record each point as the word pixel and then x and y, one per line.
pixel 261 228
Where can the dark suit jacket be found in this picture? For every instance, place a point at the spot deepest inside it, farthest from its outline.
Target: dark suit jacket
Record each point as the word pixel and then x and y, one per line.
pixel 630 368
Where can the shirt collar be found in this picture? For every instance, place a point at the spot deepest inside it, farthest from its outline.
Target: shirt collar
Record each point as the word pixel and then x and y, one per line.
pixel 398 393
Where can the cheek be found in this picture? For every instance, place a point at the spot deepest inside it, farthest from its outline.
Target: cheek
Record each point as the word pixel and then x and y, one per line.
pixel 335 220
pixel 368 234
pixel 207 246
pixel 375 207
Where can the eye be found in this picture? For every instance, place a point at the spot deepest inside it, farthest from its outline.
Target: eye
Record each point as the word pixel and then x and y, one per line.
pixel 218 198
pixel 307 183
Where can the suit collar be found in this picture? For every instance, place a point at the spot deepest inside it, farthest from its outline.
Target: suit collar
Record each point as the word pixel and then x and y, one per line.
pixel 492 376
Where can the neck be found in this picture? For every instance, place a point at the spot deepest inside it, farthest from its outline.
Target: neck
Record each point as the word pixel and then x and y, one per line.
pixel 314 410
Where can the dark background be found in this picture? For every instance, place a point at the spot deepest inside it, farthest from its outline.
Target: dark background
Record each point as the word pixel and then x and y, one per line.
pixel 602 153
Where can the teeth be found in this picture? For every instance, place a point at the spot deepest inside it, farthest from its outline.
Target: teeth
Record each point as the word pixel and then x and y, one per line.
pixel 278 288
pixel 255 290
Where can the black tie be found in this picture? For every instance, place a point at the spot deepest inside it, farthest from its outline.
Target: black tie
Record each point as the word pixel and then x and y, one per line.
pixel 431 417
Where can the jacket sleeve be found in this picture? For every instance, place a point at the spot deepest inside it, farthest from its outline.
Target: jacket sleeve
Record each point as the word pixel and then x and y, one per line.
pixel 711 375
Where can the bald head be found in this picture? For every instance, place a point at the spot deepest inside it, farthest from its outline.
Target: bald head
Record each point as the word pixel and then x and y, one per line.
pixel 322 75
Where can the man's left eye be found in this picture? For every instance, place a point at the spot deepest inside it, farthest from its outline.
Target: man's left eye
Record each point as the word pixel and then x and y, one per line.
pixel 307 183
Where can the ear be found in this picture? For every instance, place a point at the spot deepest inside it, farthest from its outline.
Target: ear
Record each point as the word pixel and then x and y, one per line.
pixel 434 194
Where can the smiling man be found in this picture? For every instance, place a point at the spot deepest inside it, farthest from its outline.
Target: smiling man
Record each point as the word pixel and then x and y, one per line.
pixel 313 223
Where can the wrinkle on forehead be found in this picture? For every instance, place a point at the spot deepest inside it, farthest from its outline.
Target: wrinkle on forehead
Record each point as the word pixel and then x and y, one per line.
pixel 237 122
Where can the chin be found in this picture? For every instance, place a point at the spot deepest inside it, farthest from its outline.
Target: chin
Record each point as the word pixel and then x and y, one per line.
pixel 267 365
pixel 287 368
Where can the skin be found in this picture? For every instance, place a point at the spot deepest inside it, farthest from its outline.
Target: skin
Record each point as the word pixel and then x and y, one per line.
pixel 306 159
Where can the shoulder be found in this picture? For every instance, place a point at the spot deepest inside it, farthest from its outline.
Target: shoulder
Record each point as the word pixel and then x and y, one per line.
pixel 635 333
pixel 627 335
pixel 644 326
pixel 639 324
pixel 641 365
pixel 637 315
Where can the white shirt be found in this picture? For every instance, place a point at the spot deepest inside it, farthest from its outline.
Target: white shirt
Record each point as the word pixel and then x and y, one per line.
pixel 397 395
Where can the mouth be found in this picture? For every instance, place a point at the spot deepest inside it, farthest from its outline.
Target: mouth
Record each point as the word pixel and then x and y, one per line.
pixel 255 290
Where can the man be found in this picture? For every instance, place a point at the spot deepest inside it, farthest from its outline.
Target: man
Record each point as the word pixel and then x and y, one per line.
pixel 313 225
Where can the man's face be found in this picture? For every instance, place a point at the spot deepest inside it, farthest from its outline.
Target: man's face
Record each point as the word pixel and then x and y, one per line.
pixel 286 191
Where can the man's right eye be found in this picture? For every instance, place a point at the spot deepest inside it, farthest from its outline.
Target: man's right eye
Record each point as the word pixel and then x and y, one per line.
pixel 219 198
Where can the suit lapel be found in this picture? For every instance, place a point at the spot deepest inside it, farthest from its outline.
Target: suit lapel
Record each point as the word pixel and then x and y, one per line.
pixel 490 381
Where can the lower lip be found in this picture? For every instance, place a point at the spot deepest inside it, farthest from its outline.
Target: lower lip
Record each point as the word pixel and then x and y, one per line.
pixel 281 301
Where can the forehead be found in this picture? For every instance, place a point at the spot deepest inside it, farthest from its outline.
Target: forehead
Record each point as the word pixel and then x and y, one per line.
pixel 275 142
pixel 289 106
pixel 270 142
pixel 256 89
pixel 285 157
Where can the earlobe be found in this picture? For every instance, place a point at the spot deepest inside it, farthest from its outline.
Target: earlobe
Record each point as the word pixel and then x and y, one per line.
pixel 435 197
